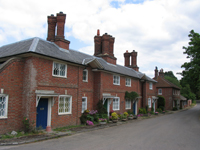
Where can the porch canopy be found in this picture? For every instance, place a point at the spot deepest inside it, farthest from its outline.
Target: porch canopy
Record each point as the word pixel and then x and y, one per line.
pixel 108 97
pixel 182 98
pixel 154 99
pixel 45 94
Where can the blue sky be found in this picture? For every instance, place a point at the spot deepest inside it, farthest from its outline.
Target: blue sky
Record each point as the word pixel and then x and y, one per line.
pixel 156 29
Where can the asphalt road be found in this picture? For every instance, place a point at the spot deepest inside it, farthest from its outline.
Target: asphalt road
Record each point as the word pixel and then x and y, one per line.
pixel 179 131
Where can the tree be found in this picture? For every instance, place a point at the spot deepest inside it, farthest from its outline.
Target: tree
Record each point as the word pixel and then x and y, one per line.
pixel 161 102
pixel 191 72
pixel 186 92
pixel 171 78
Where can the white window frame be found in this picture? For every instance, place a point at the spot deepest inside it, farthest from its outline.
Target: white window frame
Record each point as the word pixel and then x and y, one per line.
pixel 128 82
pixel 149 102
pixel 159 91
pixel 118 105
pixel 116 79
pixel 86 75
pixel 6 106
pixel 128 104
pixel 64 113
pixel 85 98
pixel 150 85
pixel 65 76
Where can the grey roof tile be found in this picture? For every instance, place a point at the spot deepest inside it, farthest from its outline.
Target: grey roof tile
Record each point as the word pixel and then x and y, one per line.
pixel 43 47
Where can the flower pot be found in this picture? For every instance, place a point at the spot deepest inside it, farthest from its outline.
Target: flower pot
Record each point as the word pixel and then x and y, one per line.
pixel 114 121
pixel 135 117
pixel 124 119
pixel 130 118
pixel 102 122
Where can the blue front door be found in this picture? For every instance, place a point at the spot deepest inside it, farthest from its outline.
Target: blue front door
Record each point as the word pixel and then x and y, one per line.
pixel 134 108
pixel 42 111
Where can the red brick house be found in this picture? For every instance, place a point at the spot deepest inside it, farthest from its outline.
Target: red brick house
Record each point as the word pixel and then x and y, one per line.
pixel 169 91
pixel 52 85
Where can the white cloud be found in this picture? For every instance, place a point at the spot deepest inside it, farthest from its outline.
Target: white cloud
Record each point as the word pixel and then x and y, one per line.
pixel 156 29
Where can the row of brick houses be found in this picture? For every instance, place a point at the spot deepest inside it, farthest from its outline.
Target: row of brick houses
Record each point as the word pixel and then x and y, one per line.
pixel 51 84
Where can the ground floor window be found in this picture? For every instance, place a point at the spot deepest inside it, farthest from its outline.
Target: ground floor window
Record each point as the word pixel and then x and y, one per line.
pixel 3 105
pixel 84 104
pixel 149 102
pixel 65 104
pixel 128 104
pixel 116 104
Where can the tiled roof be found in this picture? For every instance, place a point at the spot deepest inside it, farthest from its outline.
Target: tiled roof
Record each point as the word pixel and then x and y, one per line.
pixel 50 49
pixel 161 82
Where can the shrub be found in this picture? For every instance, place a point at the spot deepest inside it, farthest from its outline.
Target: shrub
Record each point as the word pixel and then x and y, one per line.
pixel 144 111
pixel 126 114
pixel 159 110
pixel 100 108
pixel 114 116
pixel 174 108
pixel 141 110
pixel 161 102
pixel 28 127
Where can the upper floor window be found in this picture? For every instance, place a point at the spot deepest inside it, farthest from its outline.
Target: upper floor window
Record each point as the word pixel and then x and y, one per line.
pixel 116 104
pixel 149 102
pixel 150 85
pixel 84 104
pixel 116 80
pixel 59 70
pixel 85 75
pixel 128 104
pixel 3 106
pixel 65 104
pixel 159 91
pixel 128 82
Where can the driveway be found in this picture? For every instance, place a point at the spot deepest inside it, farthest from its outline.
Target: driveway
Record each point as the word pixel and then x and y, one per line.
pixel 178 131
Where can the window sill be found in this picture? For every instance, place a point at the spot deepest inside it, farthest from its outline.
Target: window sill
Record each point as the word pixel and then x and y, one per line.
pixel 85 81
pixel 128 108
pixel 128 85
pixel 115 84
pixel 59 76
pixel 64 113
pixel 3 118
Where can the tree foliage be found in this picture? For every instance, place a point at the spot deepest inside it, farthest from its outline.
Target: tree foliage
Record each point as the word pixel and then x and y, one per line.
pixel 186 92
pixel 191 72
pixel 171 78
pixel 131 96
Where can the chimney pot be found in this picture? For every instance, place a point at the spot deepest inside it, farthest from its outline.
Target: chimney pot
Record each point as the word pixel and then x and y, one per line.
pixel 98 32
pixel 61 12
pixel 126 51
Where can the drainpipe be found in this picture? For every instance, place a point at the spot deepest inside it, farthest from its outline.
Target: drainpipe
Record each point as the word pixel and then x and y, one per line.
pixel 77 95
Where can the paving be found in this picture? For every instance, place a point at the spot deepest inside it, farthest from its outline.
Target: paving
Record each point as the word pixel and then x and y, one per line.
pixel 55 134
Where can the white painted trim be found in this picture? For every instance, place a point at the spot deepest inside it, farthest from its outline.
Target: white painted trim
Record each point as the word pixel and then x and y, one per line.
pixel 65 76
pixel 126 82
pixel 66 113
pixel 86 75
pixel 118 103
pixel 136 108
pixel 6 109
pixel 118 78
pixel 82 104
pixel 49 112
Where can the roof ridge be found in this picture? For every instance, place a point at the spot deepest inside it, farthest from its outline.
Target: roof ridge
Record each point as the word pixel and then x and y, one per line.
pixel 34 44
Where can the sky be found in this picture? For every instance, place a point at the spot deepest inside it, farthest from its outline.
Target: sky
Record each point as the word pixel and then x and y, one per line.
pixel 156 29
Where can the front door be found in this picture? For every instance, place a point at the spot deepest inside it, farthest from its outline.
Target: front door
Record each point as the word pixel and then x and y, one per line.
pixel 42 111
pixel 134 108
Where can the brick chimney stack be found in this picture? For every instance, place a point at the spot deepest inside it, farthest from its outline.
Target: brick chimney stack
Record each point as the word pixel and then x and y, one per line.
pixel 133 56
pixel 58 39
pixel 51 28
pixel 60 25
pixel 127 59
pixel 156 72
pixel 161 73
pixel 104 46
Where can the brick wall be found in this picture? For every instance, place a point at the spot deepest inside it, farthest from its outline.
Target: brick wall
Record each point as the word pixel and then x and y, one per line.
pixel 11 77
